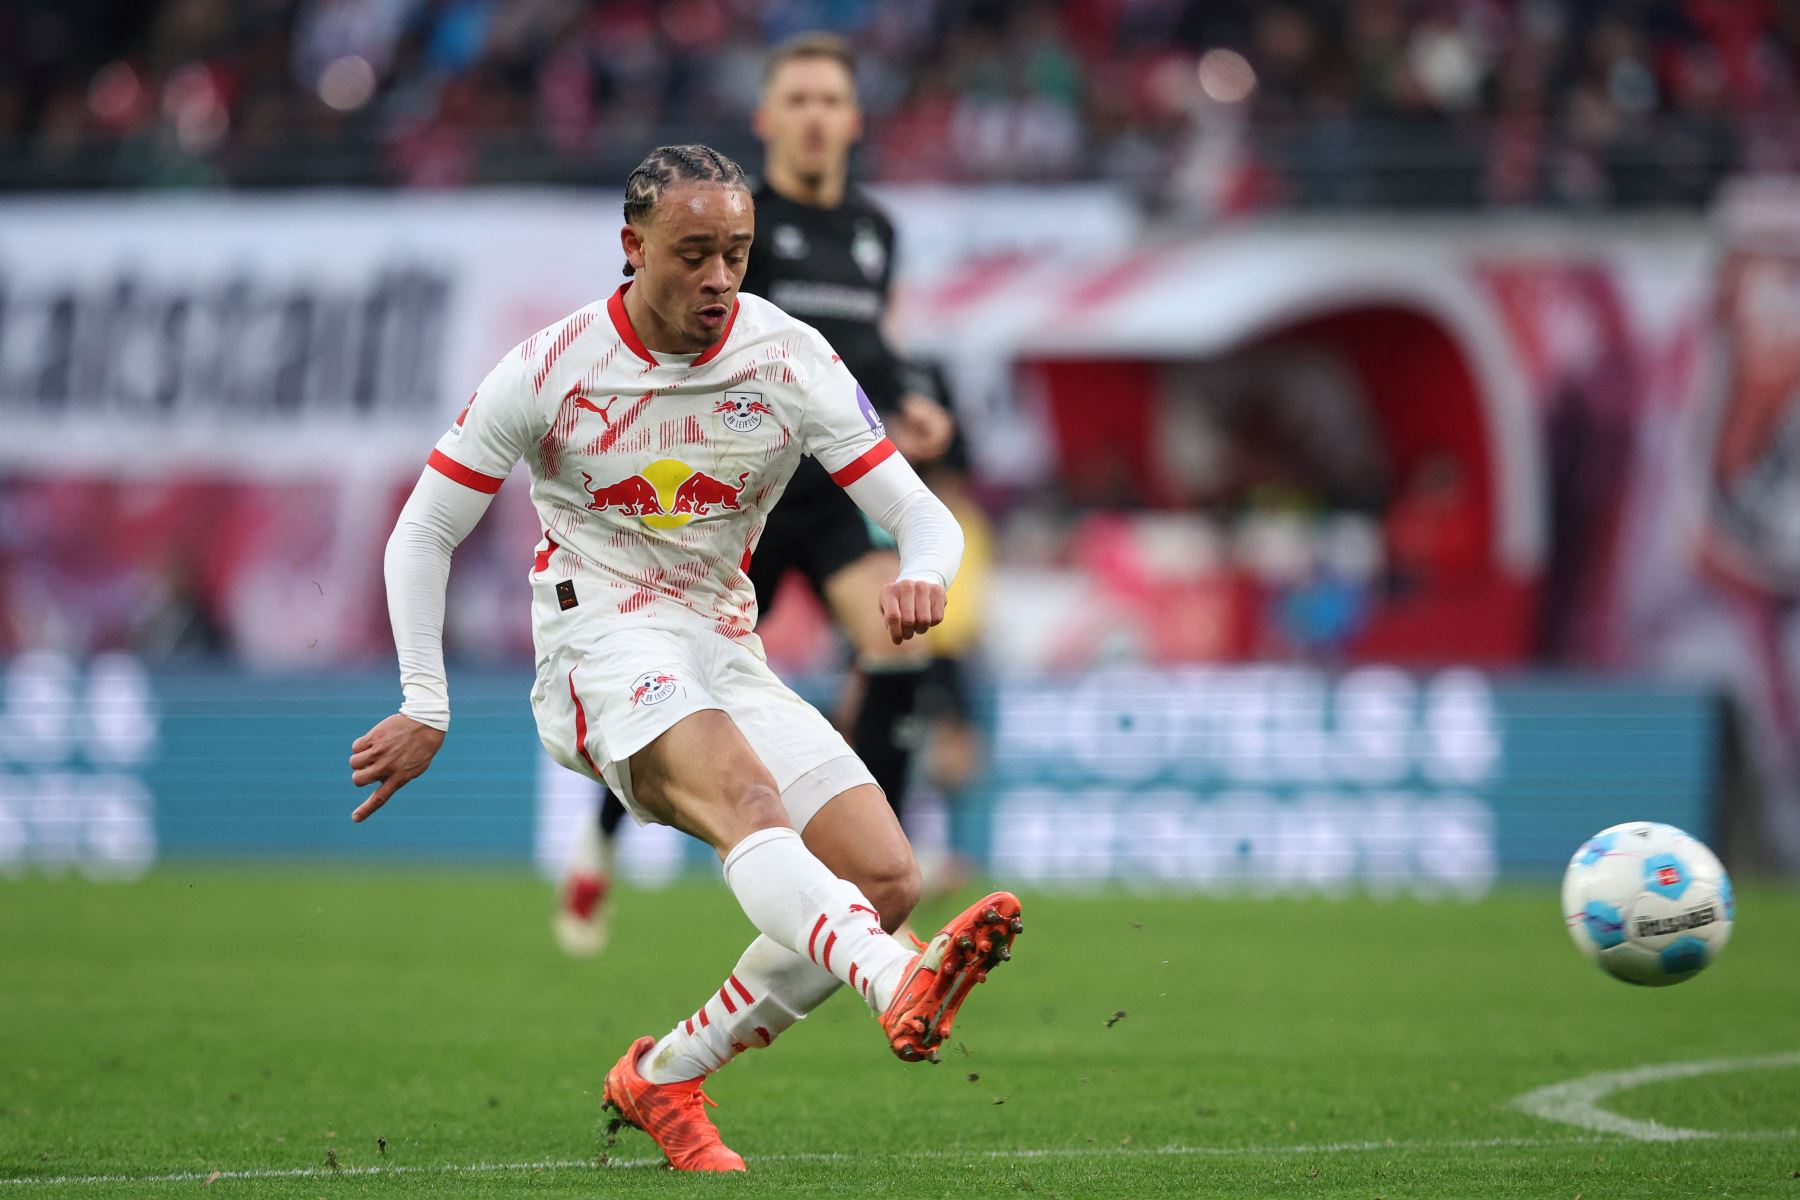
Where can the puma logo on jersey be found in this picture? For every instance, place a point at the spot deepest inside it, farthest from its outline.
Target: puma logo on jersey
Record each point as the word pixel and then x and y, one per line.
pixel 605 413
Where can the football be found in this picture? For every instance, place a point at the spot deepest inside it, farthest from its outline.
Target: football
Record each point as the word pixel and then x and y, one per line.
pixel 1648 903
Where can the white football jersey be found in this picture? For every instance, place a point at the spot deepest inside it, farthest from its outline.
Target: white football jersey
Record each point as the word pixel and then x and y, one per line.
pixel 653 473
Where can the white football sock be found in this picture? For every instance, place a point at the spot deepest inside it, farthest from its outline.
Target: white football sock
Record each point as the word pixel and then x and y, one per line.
pixel 797 902
pixel 769 990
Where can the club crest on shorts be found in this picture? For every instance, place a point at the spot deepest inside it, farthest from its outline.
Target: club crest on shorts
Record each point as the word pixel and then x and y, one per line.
pixel 652 687
pixel 742 411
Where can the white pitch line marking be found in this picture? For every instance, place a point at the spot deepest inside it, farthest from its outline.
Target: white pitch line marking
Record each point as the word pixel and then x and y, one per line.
pixel 1577 1102
pixel 1324 1148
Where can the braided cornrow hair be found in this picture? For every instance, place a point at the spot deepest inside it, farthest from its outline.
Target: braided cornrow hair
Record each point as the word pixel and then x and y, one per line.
pixel 666 166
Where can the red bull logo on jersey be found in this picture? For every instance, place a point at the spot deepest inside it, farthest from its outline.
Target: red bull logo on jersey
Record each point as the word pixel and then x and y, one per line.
pixel 667 494
pixel 742 411
pixel 633 496
pixel 700 493
pixel 653 687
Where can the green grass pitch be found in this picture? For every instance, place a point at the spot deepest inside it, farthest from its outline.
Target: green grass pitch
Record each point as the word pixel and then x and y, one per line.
pixel 264 1023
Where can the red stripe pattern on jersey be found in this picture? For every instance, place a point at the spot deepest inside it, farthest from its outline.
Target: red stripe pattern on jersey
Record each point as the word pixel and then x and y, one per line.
pixel 573 328
pixel 813 941
pixel 624 421
pixel 450 469
pixel 541 561
pixel 856 468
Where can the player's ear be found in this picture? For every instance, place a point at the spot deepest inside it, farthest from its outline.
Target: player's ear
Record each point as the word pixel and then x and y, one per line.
pixel 759 122
pixel 856 124
pixel 633 244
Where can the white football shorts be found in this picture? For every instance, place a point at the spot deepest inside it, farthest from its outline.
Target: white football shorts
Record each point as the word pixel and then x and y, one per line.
pixel 600 702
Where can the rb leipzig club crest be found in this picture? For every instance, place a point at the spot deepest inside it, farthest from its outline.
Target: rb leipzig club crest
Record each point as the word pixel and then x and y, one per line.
pixel 653 687
pixel 742 411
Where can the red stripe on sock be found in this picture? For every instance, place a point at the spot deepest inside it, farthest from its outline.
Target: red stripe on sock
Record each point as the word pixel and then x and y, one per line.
pixel 830 941
pixel 865 986
pixel 729 1006
pixel 742 991
pixel 690 1026
pixel 703 1021
pixel 852 974
pixel 764 1035
pixel 814 939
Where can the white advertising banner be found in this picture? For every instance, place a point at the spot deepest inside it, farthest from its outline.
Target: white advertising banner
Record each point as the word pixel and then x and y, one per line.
pixel 272 334
pixel 291 336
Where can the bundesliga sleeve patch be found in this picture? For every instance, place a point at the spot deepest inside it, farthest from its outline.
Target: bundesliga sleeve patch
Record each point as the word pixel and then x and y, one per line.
pixel 868 412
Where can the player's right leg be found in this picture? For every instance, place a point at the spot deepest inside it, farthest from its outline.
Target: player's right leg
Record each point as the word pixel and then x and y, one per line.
pixel 703 777
pixel 772 988
pixel 676 757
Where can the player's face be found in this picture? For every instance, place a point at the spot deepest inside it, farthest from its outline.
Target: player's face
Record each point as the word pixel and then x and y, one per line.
pixel 808 119
pixel 689 258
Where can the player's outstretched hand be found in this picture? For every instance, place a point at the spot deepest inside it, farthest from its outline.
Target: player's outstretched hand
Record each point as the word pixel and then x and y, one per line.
pixel 393 754
pixel 922 429
pixel 911 606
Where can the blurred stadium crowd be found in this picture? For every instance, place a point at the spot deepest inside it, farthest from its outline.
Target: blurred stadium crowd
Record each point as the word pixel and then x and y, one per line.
pixel 1205 105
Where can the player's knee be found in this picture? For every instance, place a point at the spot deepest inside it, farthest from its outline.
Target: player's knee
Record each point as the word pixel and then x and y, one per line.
pixel 755 804
pixel 894 889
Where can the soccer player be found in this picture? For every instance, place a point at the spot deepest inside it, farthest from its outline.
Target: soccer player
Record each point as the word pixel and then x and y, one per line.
pixel 660 427
pixel 826 256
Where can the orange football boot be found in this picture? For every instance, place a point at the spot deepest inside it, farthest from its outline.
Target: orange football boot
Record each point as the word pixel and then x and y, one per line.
pixel 673 1114
pixel 918 1018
